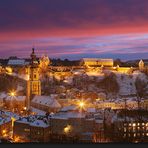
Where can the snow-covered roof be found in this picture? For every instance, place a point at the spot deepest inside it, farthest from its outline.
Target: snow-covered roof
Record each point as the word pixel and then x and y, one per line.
pixel 69 108
pixel 34 121
pixel 37 111
pixel 66 115
pixel 39 123
pixel 99 121
pixel 47 101
pixel 17 98
pixel 91 110
pixel 16 62
pixel 4 120
pixel 3 95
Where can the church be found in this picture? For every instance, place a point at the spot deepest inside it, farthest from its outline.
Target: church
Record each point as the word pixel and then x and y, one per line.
pixel 33 92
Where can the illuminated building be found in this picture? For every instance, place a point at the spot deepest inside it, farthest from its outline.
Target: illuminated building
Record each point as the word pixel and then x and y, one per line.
pixel 33 84
pixel 97 62
pixel 141 65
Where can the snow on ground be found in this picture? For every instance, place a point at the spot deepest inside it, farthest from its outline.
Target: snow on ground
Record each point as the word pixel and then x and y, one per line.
pixel 126 84
pixel 66 115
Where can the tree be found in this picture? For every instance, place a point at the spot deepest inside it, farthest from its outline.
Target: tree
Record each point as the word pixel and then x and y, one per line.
pixel 110 84
pixel 117 62
pixel 140 90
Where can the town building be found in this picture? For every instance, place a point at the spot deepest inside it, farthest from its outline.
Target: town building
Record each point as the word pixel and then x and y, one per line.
pixel 46 103
pixel 33 83
pixel 32 129
pixel 97 62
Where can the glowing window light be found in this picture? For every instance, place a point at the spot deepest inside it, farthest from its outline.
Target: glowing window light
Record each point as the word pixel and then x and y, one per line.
pixel 134 124
pixel 67 129
pixel 4 131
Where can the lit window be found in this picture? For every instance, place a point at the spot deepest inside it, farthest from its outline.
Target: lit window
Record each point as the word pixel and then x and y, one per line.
pixel 134 135
pixel 146 134
pixel 124 129
pixel 27 130
pixel 134 124
pixel 143 124
pixel 138 124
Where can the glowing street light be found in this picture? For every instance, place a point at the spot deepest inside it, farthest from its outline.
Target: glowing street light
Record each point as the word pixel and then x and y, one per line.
pixel 25 108
pixel 12 93
pixel 4 131
pixel 81 104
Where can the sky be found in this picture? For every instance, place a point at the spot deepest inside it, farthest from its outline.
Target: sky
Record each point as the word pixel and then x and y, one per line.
pixel 74 29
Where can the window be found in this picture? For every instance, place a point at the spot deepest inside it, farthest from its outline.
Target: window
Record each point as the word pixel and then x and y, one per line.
pixel 35 87
pixel 35 76
pixel 27 130
pixel 124 129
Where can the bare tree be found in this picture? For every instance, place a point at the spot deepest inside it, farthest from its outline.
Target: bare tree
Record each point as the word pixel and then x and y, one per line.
pixel 140 90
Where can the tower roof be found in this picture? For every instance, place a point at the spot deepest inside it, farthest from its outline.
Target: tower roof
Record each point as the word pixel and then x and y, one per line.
pixel 34 61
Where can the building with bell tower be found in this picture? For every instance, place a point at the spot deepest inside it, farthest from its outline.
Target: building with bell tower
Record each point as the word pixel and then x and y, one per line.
pixel 141 65
pixel 33 83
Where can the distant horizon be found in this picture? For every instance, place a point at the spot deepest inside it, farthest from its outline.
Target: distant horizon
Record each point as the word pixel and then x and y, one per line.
pixel 74 59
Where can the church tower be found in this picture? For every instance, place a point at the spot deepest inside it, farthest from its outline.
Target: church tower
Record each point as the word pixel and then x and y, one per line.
pixel 33 83
pixel 141 65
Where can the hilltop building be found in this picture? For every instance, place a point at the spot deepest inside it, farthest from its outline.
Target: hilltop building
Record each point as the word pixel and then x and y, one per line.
pixel 97 62
pixel 141 65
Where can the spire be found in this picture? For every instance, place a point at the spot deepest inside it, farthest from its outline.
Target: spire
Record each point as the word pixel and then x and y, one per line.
pixel 33 58
pixel 32 50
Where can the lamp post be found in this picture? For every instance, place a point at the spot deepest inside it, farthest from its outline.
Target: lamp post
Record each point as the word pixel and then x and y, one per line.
pixel 12 94
pixel 81 105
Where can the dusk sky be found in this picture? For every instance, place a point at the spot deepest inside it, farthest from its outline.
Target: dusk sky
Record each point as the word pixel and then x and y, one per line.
pixel 74 28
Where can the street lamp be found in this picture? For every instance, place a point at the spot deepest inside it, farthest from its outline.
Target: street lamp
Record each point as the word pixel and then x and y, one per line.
pixel 81 104
pixel 12 93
